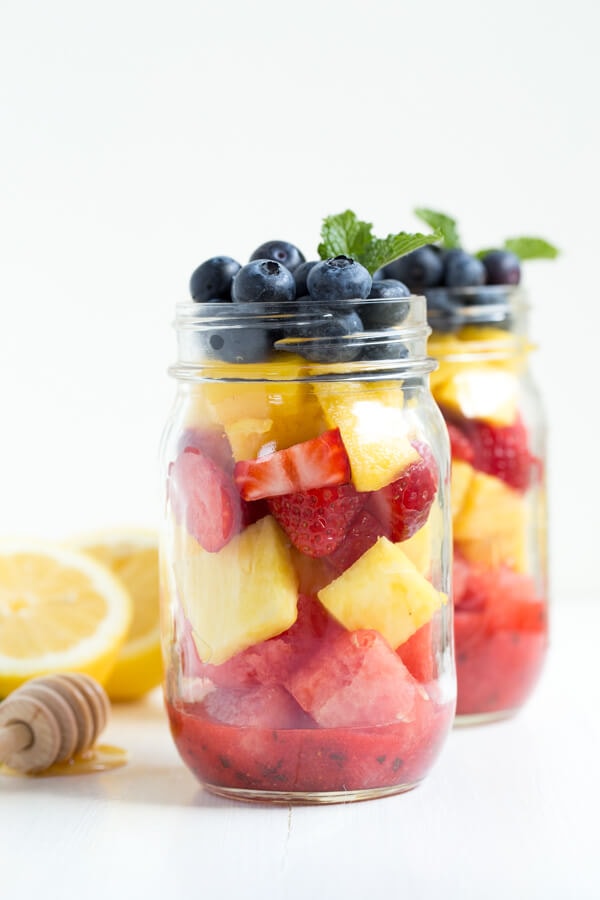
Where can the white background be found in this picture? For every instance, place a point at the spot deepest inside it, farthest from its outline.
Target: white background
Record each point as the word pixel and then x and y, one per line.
pixel 138 138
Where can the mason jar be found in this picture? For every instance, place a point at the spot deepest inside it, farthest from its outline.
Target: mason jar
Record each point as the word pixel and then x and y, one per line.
pixel 492 407
pixel 305 552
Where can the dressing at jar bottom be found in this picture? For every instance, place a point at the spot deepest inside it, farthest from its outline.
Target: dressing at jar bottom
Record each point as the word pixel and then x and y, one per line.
pixel 311 765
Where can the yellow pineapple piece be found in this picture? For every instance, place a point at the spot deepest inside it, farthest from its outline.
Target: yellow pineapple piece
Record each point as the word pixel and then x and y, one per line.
pixel 461 473
pixel 247 436
pixel 491 525
pixel 374 430
pixel 490 507
pixel 487 392
pixel 243 594
pixel 509 549
pixel 385 591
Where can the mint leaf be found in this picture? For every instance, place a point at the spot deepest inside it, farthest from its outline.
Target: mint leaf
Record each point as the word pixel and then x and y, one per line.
pixel 439 221
pixel 346 235
pixel 531 248
pixel 481 253
pixel 382 251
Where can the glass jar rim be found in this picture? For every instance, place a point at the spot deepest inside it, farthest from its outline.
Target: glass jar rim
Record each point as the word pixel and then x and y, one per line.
pixel 202 328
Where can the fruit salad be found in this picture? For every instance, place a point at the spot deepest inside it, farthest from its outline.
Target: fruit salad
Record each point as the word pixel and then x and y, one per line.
pixel 483 387
pixel 305 559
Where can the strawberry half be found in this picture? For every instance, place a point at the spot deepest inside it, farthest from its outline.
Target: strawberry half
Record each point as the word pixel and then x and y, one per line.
pixel 206 498
pixel 460 445
pixel 319 462
pixel 403 506
pixel 316 521
pixel 360 537
pixel 503 451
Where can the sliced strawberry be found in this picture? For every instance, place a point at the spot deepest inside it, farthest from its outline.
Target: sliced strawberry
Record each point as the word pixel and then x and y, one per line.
pixel 319 462
pixel 316 521
pixel 361 535
pixel 403 506
pixel 503 451
pixel 460 445
pixel 212 442
pixel 205 498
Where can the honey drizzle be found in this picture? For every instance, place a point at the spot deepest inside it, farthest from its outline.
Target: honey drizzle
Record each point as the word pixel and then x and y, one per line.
pixel 100 758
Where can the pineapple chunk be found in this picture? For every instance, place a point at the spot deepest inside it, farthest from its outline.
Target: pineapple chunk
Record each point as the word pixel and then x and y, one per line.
pixel 490 507
pixel 486 392
pixel 247 436
pixel 373 428
pixel 384 591
pixel 491 525
pixel 241 595
pixel 460 477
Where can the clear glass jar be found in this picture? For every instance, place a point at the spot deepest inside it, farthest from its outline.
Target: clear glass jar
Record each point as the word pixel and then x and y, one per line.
pixel 305 555
pixel 493 410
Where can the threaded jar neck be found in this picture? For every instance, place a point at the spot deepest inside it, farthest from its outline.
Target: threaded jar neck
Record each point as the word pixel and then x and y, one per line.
pixel 302 340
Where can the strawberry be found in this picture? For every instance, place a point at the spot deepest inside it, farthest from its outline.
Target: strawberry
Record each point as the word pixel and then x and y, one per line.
pixel 403 506
pixel 460 445
pixel 503 451
pixel 316 521
pixel 212 442
pixel 206 498
pixel 361 535
pixel 318 462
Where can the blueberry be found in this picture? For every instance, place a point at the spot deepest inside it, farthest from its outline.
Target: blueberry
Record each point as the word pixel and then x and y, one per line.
pixel 281 251
pixel 234 345
pixel 462 270
pixel 300 276
pixel 381 350
pixel 264 281
pixel 381 315
pixel 313 321
pixel 388 287
pixel 340 278
pixel 423 268
pixel 212 279
pixel 502 267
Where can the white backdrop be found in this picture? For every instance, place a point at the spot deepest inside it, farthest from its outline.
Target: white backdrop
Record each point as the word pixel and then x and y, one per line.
pixel 138 138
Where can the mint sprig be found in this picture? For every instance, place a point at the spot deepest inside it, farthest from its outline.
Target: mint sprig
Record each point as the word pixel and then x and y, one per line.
pixel 525 248
pixel 444 224
pixel 345 234
pixel 531 248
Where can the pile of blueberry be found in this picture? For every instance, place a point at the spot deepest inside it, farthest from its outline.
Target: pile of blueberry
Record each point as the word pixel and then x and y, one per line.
pixel 453 279
pixel 323 329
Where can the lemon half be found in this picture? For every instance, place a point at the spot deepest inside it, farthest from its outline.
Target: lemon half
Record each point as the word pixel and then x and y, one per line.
pixel 131 554
pixel 60 610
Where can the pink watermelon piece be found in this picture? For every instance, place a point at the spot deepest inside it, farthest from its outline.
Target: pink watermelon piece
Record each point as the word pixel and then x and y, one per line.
pixel 355 679
pixel 418 652
pixel 261 707
pixel 272 662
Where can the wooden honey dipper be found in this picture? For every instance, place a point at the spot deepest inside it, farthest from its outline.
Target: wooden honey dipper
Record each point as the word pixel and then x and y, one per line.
pixel 51 719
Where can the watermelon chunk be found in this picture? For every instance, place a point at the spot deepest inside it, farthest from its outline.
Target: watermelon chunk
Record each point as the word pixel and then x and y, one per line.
pixel 261 707
pixel 500 634
pixel 272 661
pixel 355 679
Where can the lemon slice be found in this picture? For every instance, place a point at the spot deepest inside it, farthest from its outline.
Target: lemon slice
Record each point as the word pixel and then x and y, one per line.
pixel 132 555
pixel 59 611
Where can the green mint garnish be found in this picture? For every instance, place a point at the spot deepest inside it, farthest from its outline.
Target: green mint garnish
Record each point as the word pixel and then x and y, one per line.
pixel 525 248
pixel 346 235
pixel 442 223
pixel 531 248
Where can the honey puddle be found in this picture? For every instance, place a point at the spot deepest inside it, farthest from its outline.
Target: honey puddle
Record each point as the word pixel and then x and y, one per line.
pixel 100 758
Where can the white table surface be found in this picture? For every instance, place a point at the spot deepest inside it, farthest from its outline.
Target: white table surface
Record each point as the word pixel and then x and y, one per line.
pixel 510 810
